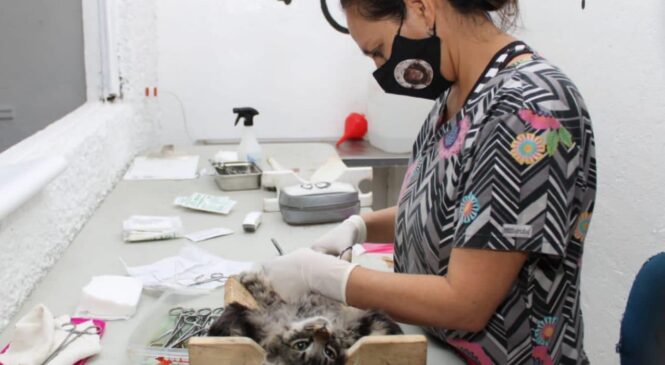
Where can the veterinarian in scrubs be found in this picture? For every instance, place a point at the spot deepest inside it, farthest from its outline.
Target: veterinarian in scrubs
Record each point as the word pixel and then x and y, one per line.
pixel 497 198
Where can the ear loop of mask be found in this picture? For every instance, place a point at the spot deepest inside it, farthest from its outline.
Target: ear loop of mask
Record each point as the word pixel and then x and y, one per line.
pixel 401 23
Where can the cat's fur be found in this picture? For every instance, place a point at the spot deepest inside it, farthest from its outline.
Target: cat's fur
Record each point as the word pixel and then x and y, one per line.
pixel 312 330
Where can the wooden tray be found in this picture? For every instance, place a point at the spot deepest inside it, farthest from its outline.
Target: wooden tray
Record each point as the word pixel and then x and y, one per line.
pixel 371 350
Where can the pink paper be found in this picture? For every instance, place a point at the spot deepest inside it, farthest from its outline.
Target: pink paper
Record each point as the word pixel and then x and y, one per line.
pixel 387 248
pixel 97 322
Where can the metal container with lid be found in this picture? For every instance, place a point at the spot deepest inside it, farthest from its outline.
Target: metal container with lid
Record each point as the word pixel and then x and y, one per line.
pixel 237 175
pixel 322 202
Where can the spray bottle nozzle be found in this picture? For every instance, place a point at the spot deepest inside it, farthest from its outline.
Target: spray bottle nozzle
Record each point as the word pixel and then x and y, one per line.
pixel 247 114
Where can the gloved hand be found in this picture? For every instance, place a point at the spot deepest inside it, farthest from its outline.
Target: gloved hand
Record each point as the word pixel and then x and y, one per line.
pixel 340 239
pixel 304 270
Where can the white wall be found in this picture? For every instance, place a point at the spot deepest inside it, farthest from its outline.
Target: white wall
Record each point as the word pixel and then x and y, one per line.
pixel 98 140
pixel 615 52
pixel 302 76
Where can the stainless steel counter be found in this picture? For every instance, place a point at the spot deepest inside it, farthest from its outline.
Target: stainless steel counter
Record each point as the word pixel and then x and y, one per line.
pixel 353 153
pixel 361 153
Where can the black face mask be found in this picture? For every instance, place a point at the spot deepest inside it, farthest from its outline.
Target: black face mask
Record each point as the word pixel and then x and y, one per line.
pixel 414 68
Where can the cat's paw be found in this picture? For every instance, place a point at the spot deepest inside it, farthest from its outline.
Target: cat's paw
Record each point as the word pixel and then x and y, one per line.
pixel 236 320
pixel 260 287
pixel 377 323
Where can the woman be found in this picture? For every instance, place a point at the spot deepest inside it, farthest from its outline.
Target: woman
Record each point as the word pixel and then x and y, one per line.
pixel 496 201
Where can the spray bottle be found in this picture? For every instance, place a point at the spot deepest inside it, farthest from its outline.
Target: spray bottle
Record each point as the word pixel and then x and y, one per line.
pixel 249 149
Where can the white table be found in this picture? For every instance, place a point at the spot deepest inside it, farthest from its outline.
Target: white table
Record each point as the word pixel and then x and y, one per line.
pixel 99 245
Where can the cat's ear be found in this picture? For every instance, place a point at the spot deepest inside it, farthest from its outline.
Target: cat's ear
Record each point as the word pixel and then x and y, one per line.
pixel 374 323
pixel 236 320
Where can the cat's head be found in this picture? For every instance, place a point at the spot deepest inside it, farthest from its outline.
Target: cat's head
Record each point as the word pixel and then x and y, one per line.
pixel 311 341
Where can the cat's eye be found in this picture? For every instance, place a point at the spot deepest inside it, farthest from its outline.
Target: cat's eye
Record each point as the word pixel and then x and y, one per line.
pixel 300 345
pixel 330 352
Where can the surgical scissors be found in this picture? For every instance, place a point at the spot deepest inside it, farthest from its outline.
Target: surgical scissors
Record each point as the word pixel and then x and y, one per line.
pixel 217 276
pixel 344 251
pixel 71 328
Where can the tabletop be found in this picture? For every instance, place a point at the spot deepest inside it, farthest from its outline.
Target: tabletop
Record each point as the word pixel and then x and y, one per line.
pixel 99 248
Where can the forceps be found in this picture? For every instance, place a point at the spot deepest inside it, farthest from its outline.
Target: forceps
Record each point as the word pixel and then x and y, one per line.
pixel 72 336
pixel 179 313
pixel 196 323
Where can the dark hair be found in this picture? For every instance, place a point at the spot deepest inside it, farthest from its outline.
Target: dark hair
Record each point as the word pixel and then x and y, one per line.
pixel 384 9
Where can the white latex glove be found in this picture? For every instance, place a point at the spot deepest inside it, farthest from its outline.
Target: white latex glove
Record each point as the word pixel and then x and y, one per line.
pixel 340 239
pixel 304 270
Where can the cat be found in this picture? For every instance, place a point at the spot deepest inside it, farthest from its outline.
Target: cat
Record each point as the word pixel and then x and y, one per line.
pixel 312 330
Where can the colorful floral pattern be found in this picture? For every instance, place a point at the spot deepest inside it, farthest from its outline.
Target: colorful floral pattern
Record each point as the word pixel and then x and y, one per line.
pixel 582 226
pixel 545 121
pixel 539 120
pixel 472 351
pixel 528 149
pixel 541 356
pixel 469 208
pixel 452 140
pixel 545 330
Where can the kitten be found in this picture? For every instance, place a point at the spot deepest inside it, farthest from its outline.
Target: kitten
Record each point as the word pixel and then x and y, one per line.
pixel 311 330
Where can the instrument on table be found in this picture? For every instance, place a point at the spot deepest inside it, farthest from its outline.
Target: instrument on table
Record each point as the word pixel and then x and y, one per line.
pixel 73 335
pixel 188 323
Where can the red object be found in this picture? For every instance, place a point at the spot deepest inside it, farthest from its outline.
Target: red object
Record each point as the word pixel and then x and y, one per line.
pixel 355 127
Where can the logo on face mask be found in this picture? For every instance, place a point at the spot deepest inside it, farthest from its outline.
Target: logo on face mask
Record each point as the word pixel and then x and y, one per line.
pixel 413 68
pixel 414 74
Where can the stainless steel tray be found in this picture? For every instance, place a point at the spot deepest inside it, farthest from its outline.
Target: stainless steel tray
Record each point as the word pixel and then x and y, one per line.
pixel 237 176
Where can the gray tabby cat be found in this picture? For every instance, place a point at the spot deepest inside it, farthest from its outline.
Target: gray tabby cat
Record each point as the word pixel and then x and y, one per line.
pixel 312 330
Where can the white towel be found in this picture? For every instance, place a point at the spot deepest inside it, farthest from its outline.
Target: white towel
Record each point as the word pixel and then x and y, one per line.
pixel 37 335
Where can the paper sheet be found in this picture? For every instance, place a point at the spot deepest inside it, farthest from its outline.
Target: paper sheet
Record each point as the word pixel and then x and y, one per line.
pixel 172 168
pixel 191 265
pixel 208 234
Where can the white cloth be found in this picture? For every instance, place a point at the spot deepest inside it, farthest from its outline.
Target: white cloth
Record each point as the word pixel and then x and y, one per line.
pixel 353 230
pixel 37 335
pixel 82 348
pixel 304 270
pixel 32 338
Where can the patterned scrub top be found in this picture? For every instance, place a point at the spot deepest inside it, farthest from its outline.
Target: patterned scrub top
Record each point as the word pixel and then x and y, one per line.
pixel 514 170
